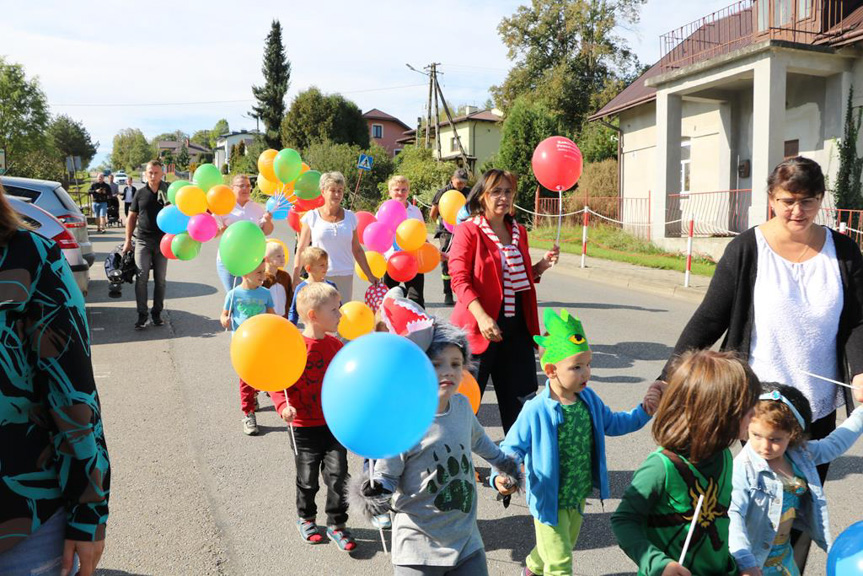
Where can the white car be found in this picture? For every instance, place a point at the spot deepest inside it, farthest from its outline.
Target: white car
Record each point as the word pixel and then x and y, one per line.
pixel 120 178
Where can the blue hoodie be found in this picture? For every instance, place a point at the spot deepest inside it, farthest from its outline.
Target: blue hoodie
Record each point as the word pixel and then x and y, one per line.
pixel 533 440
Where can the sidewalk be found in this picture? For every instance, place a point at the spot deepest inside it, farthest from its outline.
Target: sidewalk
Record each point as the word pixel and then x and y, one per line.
pixel 650 280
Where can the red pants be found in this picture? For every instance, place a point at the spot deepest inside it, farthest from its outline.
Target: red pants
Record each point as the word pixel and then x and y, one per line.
pixel 247 397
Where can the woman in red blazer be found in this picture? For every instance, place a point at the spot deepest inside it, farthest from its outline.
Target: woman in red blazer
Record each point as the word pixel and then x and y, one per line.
pixel 493 279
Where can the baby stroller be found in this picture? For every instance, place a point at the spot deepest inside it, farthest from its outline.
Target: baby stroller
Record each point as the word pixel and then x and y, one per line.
pixel 113 212
pixel 120 268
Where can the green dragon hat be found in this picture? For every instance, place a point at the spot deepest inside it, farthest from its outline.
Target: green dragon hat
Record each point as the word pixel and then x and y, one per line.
pixel 565 338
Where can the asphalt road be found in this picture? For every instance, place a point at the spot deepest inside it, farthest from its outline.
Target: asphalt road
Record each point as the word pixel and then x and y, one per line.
pixel 192 495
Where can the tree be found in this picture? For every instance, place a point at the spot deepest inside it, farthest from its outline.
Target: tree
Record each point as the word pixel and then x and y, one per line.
pixel 848 186
pixel 44 164
pixel 327 156
pixel 130 150
pixel 526 125
pixel 202 138
pixel 70 138
pixel 183 158
pixel 314 117
pixel 425 173
pixel 271 96
pixel 24 114
pixel 244 160
pixel 220 128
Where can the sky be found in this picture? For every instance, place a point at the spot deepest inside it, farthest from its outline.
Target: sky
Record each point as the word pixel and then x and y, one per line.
pixel 131 64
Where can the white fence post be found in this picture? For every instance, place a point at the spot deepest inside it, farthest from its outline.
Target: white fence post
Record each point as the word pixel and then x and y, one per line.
pixel 584 235
pixel 689 253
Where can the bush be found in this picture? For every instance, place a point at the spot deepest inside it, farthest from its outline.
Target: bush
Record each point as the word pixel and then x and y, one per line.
pixel 224 168
pixel 426 175
pixel 44 164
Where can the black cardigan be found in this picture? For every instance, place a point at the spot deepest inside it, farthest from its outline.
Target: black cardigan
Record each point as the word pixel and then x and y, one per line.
pixel 727 307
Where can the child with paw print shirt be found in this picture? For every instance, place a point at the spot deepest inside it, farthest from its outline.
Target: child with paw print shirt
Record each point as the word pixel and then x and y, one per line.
pixel 433 483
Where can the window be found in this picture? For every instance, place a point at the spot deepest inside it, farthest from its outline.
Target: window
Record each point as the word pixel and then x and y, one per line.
pixel 792 148
pixel 804 9
pixel 782 12
pixel 763 15
pixel 453 145
pixel 377 130
pixel 396 152
pixel 685 165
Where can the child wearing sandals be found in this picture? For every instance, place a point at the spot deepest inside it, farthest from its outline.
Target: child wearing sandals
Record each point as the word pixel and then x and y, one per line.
pixel 776 484
pixel 432 486
pixel 317 450
pixel 706 408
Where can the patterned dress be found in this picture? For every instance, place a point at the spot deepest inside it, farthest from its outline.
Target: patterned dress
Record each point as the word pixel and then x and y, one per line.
pixel 780 561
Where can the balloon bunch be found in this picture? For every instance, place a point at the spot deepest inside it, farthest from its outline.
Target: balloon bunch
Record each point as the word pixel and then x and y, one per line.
pixel 390 230
pixel 294 187
pixel 190 220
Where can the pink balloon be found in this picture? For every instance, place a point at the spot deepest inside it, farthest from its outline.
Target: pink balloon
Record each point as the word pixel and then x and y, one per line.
pixel 449 227
pixel 202 227
pixel 557 163
pixel 392 213
pixel 363 220
pixel 378 237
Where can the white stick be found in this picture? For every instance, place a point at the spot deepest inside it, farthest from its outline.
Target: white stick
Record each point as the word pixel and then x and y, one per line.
pixel 691 529
pixel 291 426
pixel 384 541
pixel 828 379
pixel 559 214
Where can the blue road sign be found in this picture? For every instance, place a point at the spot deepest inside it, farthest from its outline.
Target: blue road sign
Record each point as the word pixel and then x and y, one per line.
pixel 365 162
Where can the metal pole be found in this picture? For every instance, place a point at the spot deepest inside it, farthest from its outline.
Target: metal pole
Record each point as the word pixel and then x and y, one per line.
pixel 689 253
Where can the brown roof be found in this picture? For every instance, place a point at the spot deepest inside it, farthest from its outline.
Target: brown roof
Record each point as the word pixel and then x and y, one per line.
pixel 375 114
pixel 190 146
pixel 481 116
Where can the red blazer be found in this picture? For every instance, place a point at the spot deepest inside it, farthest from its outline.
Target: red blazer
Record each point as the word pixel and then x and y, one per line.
pixel 477 274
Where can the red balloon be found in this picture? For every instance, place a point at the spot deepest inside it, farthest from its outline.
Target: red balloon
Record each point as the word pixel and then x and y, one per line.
pixel 364 219
pixel 557 163
pixel 402 266
pixel 305 205
pixel 294 219
pixel 165 246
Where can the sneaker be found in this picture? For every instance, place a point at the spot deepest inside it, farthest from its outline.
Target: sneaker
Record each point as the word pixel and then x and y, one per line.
pixel 382 521
pixel 142 322
pixel 157 320
pixel 250 424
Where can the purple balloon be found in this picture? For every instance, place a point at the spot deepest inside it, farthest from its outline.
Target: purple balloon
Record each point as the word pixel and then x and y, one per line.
pixel 449 227
pixel 378 237
pixel 203 227
pixel 392 213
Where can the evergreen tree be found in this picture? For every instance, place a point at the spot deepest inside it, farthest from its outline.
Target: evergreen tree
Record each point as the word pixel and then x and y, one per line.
pixel 70 138
pixel 847 191
pixel 183 158
pixel 271 96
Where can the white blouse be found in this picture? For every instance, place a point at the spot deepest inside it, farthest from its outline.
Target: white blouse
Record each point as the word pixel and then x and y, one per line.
pixel 796 321
pixel 336 238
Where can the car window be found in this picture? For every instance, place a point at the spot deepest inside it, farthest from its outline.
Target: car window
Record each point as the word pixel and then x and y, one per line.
pixel 34 224
pixel 66 200
pixel 32 195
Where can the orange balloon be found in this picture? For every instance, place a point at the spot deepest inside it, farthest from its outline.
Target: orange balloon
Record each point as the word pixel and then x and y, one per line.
pixel 221 199
pixel 411 234
pixel 304 168
pixel 265 164
pixel 268 352
pixel 192 200
pixel 428 257
pixel 449 205
pixel 357 319
pixel 470 388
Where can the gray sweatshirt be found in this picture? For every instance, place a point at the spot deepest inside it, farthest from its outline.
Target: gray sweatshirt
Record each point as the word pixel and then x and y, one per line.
pixel 435 489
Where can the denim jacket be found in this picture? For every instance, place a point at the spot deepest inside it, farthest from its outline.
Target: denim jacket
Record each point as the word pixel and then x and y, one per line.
pixel 756 502
pixel 533 440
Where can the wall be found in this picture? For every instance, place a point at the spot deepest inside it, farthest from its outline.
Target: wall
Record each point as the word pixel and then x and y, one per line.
pixel 639 150
pixel 392 131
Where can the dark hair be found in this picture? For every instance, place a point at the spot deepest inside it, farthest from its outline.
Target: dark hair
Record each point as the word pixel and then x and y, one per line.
pixel 460 174
pixel 155 162
pixel 708 396
pixel 778 415
pixel 797 175
pixel 10 222
pixel 487 183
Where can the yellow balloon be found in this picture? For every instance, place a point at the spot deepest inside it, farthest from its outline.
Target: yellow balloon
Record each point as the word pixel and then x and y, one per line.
pixel 191 200
pixel 221 200
pixel 285 248
pixel 267 186
pixel 268 352
pixel 377 263
pixel 411 234
pixel 265 164
pixel 450 203
pixel 357 320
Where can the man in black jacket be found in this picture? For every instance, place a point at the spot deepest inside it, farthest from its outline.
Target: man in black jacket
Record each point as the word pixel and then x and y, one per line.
pixel 101 192
pixel 457 182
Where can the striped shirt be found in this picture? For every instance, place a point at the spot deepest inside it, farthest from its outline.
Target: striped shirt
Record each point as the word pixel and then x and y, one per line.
pixel 514 274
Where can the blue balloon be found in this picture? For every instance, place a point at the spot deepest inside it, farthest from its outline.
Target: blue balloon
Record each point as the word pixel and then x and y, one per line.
pixel 846 555
pixel 171 221
pixel 380 395
pixel 279 212
pixel 396 246
pixel 462 215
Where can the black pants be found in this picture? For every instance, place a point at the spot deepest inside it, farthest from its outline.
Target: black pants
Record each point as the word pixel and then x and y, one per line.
pixel 127 207
pixel 319 453
pixel 445 240
pixel 413 288
pixel 511 364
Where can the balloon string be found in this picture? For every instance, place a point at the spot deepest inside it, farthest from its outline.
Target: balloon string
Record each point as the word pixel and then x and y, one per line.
pixel 231 305
pixel 291 426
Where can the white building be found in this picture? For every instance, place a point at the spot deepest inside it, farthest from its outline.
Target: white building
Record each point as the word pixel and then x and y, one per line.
pixel 226 142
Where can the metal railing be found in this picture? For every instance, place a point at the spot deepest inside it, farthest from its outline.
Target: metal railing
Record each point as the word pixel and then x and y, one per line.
pixel 715 214
pixel 630 214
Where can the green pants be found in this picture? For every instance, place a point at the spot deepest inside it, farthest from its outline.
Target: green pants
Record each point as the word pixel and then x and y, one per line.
pixel 552 555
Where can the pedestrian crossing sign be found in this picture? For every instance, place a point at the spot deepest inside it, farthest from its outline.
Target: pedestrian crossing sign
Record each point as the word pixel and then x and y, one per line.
pixel 365 162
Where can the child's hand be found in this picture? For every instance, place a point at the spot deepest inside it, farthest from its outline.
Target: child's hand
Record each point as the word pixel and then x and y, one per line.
pixel 226 321
pixel 289 413
pixel 675 569
pixel 505 485
pixel 653 396
pixel 754 571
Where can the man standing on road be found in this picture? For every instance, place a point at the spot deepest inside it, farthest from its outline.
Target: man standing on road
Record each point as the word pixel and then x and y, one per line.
pixel 128 195
pixel 141 222
pixel 101 192
pixel 457 182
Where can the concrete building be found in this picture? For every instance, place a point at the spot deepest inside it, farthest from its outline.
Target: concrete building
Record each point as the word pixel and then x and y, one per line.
pixel 226 142
pixel 732 95
pixel 385 130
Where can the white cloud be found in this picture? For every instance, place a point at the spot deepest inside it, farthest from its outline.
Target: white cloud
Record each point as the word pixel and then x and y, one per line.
pixel 135 52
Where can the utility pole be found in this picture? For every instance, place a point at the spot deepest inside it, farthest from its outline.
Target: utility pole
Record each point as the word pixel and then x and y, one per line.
pixel 433 82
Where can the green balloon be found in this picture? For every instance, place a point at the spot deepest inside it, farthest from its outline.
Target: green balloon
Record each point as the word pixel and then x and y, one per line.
pixel 207 176
pixel 174 188
pixel 287 165
pixel 308 186
pixel 185 247
pixel 242 247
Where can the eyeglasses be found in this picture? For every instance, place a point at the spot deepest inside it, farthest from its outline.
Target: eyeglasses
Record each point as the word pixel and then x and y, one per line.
pixel 500 193
pixel 805 204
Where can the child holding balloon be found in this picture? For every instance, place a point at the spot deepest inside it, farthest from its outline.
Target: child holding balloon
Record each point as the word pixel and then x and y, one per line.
pixel 776 484
pixel 248 299
pixel 560 437
pixel 432 485
pixel 399 188
pixel 316 449
pixel 705 409
pixel 278 282
pixel 315 262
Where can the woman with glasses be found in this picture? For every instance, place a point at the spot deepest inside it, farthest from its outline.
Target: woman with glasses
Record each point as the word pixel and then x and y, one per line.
pixel 493 280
